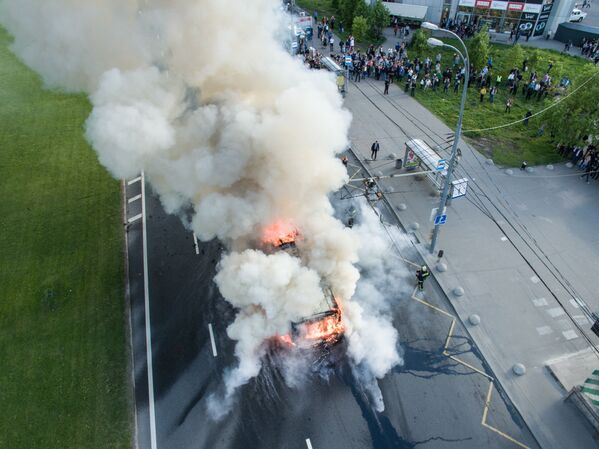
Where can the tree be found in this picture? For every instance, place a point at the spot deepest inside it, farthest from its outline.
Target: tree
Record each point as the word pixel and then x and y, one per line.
pixel 419 43
pixel 361 9
pixel 579 110
pixel 347 10
pixel 534 59
pixel 479 49
pixel 516 55
pixel 360 28
pixel 335 4
pixel 378 18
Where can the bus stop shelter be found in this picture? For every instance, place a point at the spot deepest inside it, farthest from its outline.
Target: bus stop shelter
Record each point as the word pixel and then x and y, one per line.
pixel 419 155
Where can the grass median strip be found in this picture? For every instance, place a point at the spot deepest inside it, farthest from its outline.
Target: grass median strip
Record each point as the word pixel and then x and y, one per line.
pixel 63 357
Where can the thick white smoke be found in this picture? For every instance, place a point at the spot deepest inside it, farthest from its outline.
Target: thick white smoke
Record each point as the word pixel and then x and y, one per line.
pixel 201 96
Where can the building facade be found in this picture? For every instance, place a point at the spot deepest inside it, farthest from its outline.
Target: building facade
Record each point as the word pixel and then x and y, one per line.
pixel 533 18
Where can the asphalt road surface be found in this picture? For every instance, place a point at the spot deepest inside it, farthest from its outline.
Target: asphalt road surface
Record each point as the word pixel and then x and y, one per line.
pixel 442 397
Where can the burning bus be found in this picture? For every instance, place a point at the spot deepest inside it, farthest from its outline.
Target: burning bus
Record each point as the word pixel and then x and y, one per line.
pixel 324 328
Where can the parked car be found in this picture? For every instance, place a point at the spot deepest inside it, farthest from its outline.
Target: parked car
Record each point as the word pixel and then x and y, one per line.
pixel 577 15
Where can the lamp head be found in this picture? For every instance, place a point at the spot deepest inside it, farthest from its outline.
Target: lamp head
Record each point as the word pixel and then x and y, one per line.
pixel 434 42
pixel 429 26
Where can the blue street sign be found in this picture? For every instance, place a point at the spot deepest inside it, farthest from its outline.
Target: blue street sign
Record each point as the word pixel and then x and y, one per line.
pixel 440 219
pixel 441 165
pixel 348 60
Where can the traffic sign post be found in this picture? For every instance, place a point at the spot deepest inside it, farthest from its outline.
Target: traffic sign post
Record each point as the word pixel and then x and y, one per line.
pixel 440 220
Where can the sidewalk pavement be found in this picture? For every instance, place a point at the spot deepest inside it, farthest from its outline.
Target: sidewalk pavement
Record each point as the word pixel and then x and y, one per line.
pixel 494 260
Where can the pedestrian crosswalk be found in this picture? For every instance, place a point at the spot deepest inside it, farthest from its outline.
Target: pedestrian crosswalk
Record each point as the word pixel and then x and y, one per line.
pixel 591 387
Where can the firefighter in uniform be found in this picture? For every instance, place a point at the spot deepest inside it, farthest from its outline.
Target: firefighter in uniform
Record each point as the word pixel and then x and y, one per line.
pixel 421 275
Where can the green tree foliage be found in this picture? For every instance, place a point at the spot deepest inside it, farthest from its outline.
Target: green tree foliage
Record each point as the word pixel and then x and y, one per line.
pixel 419 43
pixel 479 49
pixel 378 18
pixel 335 4
pixel 579 111
pixel 534 59
pixel 516 56
pixel 347 10
pixel 361 9
pixel 360 28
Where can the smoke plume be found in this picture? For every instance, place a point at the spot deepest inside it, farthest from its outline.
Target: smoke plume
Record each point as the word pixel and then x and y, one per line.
pixel 201 96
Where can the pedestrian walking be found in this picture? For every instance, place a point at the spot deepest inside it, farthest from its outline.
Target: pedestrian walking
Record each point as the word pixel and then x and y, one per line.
pixel 386 92
pixel 374 149
pixel 523 166
pixel 526 117
pixel 508 105
pixel 483 92
pixel 587 172
pixel 421 275
pixel 492 93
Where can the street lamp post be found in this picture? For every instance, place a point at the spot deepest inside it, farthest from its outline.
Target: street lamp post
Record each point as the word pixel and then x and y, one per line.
pixel 438 43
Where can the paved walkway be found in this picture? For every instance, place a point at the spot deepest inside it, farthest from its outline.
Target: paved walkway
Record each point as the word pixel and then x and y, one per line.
pixel 518 245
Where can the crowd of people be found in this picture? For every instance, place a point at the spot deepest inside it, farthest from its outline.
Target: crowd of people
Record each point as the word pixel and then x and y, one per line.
pixel 583 158
pixel 590 49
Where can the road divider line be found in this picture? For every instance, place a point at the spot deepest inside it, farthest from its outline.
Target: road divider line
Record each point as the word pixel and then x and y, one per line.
pixel 149 352
pixel 308 443
pixel 195 243
pixel 134 180
pixel 497 431
pixel 132 219
pixel 214 353
pixel 135 198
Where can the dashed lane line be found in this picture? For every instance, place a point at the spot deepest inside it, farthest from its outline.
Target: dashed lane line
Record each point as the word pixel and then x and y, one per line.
pixel 134 180
pixel 473 368
pixel 135 198
pixel 135 218
pixel 308 443
pixel 214 353
pixel 195 243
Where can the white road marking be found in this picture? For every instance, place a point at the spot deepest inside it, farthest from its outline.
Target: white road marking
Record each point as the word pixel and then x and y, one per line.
pixel 540 302
pixel 308 443
pixel 214 353
pixel 132 219
pixel 575 303
pixel 195 243
pixel 569 335
pixel 135 198
pixel 544 330
pixel 133 181
pixel 581 320
pixel 535 280
pixel 555 312
pixel 147 317
pixel 504 239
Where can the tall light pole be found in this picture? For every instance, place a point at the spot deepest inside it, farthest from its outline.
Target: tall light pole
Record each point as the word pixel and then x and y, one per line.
pixel 438 43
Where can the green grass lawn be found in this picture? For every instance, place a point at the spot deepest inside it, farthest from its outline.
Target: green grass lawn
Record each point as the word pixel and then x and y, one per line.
pixel 63 345
pixel 513 144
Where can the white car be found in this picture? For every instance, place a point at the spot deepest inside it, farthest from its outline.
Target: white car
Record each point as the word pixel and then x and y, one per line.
pixel 577 15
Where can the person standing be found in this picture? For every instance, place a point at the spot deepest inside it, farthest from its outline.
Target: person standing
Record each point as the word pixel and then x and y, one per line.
pixel 492 93
pixel 386 92
pixel 526 117
pixel 374 149
pixel 421 275
pixel 508 105
pixel 483 92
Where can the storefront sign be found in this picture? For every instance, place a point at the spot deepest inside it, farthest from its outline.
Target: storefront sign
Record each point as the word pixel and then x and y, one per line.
pixel 467 3
pixel 541 25
pixel 483 4
pixel 500 5
pixel 515 6
pixel 530 7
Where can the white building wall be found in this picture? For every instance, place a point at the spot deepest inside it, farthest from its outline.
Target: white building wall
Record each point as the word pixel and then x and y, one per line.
pixel 560 13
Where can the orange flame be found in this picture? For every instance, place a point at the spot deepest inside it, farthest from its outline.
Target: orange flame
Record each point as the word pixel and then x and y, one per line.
pixel 279 233
pixel 327 329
